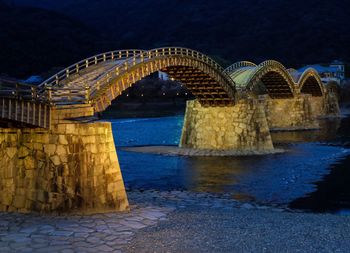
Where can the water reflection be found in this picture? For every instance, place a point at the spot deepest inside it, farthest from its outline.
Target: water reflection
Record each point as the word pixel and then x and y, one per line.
pixel 333 191
pixel 298 176
pixel 327 132
pixel 212 174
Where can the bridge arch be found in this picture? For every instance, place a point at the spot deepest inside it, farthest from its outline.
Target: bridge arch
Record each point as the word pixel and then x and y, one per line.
pixel 275 78
pixel 200 75
pixel 310 83
pixel 292 70
pixel 237 65
pixel 294 74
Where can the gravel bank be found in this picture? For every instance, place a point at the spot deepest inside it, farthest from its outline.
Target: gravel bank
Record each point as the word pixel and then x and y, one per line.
pixel 197 226
pixel 176 151
pixel 178 221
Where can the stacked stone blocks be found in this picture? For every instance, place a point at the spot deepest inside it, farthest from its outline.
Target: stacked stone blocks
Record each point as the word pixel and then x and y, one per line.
pixel 70 167
pixel 291 114
pixel 242 127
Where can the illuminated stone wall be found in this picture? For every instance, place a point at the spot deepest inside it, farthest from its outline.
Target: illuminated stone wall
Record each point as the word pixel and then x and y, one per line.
pixel 242 127
pixel 325 106
pixel 300 112
pixel 317 106
pixel 291 114
pixel 331 104
pixel 72 167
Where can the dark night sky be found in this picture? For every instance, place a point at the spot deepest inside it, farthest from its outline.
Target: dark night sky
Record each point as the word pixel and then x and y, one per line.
pixel 60 32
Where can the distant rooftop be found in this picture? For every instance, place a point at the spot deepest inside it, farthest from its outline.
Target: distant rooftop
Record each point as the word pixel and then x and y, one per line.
pixel 34 80
pixel 337 62
pixel 8 80
pixel 319 68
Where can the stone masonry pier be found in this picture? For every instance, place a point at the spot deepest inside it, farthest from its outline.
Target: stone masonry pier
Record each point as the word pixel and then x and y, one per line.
pixel 71 167
pixel 299 113
pixel 242 127
pixel 291 114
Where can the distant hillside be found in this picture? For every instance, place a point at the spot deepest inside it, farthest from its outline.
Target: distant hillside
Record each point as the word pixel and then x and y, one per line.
pixel 294 32
pixel 33 40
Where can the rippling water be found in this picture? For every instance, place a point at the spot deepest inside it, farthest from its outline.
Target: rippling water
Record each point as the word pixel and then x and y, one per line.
pixel 313 174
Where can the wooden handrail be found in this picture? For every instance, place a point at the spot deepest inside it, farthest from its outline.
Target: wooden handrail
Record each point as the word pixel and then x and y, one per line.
pixel 88 62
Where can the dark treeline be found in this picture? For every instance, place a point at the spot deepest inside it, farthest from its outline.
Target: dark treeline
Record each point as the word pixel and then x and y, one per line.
pixel 32 41
pixel 294 32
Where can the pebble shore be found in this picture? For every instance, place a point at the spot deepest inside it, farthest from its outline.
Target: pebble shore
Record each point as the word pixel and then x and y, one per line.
pixel 177 151
pixel 177 221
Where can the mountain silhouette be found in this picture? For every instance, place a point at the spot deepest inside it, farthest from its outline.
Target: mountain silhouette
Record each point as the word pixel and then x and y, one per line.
pixel 293 32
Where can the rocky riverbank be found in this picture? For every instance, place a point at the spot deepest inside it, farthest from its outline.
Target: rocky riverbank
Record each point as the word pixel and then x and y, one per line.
pixel 215 223
pixel 178 221
pixel 174 200
pixel 177 151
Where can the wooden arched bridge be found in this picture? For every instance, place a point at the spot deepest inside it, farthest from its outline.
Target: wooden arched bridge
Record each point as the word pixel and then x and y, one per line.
pixel 278 81
pixel 52 158
pixel 101 78
pixel 97 80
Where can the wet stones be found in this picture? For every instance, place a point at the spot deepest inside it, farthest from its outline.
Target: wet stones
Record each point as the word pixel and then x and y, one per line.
pixel 107 232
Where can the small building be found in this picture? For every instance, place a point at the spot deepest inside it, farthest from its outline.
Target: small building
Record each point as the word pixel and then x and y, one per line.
pixel 163 76
pixel 34 80
pixel 333 72
pixel 6 80
pixel 340 67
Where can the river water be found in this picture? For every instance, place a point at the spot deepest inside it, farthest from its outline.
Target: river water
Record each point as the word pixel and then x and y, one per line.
pixel 313 174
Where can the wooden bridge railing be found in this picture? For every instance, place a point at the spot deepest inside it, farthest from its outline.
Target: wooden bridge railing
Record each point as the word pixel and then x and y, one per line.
pixel 23 103
pixel 88 62
pixel 28 92
pixel 65 96
pixel 19 91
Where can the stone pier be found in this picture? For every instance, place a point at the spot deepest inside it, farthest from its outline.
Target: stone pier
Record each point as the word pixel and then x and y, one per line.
pixel 299 113
pixel 71 167
pixel 331 104
pixel 318 108
pixel 241 127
